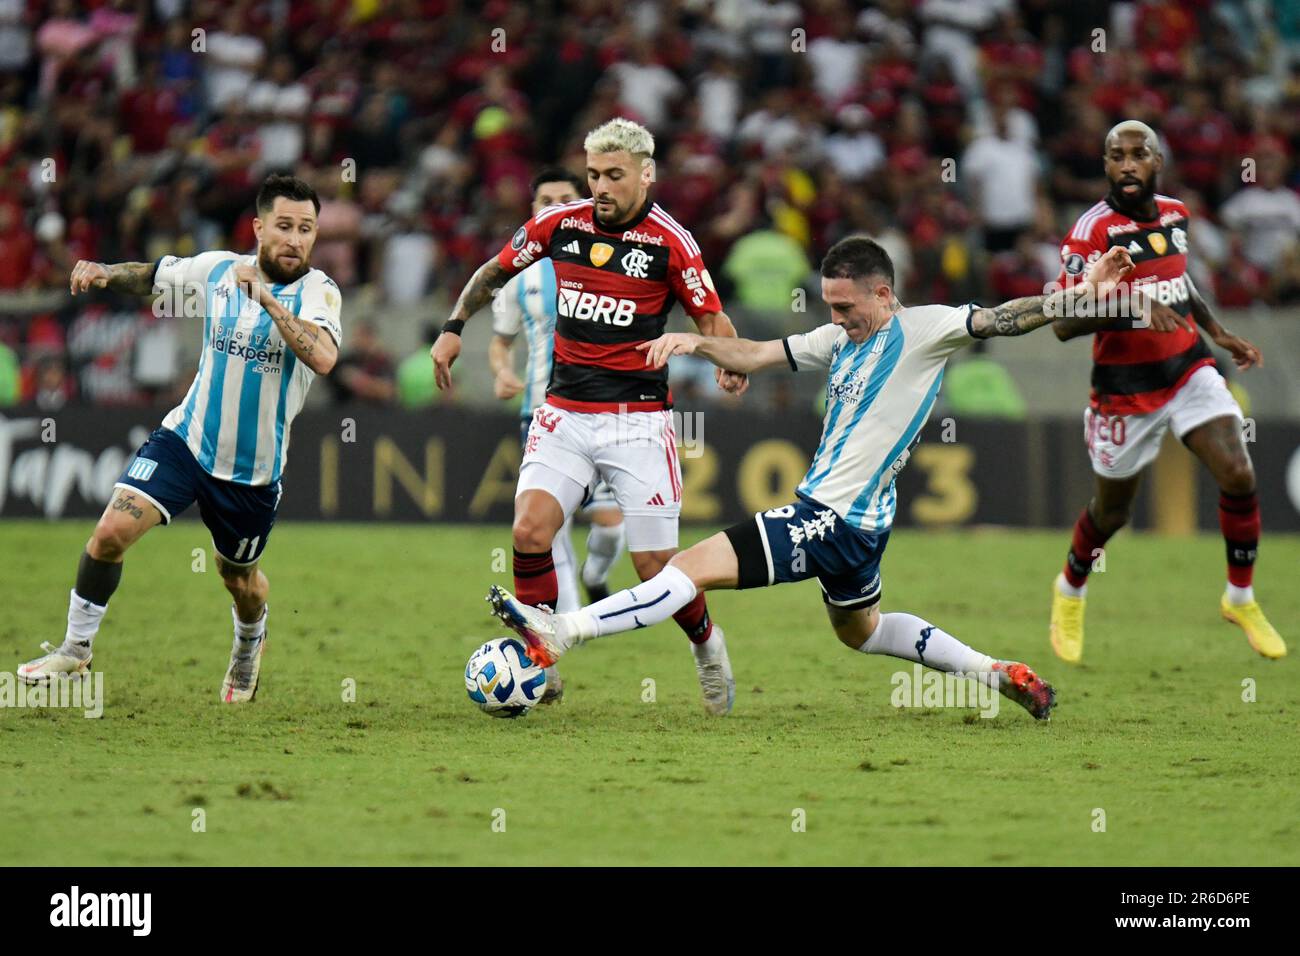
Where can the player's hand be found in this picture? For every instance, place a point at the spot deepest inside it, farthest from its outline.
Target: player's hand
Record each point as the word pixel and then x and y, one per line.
pixel 1109 271
pixel 1244 353
pixel 658 351
pixel 87 275
pixel 733 383
pixel 250 281
pixel 1162 318
pixel 506 384
pixel 444 353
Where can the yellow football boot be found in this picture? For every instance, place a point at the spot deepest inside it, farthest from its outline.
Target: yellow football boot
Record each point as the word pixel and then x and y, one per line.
pixel 1263 638
pixel 1067 625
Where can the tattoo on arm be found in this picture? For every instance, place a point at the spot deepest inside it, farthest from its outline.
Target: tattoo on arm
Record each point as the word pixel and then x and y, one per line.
pixel 1018 316
pixel 302 337
pixel 133 278
pixel 477 293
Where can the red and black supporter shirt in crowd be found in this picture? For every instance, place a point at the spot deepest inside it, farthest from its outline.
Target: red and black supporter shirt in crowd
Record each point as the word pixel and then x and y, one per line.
pixel 614 290
pixel 1137 370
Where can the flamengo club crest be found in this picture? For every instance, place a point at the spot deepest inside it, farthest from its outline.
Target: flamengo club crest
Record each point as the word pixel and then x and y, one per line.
pixel 635 264
pixel 600 253
pixel 1158 245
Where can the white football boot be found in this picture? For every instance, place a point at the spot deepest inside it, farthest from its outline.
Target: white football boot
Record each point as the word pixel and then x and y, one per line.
pixel 536 625
pixel 55 663
pixel 240 685
pixel 717 683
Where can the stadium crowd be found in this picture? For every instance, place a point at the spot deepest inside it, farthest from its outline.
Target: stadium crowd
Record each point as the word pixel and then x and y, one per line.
pixel 963 134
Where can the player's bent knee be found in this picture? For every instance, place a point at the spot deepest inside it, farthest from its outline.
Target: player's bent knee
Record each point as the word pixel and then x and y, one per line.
pixel 1239 478
pixel 110 540
pixel 531 535
pixel 537 519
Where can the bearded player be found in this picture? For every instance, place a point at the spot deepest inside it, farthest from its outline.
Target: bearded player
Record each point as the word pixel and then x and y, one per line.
pixel 527 304
pixel 1144 383
pixel 620 263
pixel 884 364
pixel 271 326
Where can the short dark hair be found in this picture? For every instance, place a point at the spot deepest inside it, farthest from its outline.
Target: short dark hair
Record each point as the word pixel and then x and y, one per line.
pixel 857 257
pixel 290 187
pixel 556 174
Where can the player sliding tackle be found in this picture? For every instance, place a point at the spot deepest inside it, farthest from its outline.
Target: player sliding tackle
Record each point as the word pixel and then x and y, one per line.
pixel 885 366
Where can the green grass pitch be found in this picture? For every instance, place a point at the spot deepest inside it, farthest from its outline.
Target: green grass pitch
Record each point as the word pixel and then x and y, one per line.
pixel 1152 729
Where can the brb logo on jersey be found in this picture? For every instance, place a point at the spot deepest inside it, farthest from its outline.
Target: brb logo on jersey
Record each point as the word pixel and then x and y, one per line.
pixel 596 308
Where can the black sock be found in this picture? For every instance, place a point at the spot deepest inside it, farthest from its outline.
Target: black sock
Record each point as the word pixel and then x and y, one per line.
pixel 97 580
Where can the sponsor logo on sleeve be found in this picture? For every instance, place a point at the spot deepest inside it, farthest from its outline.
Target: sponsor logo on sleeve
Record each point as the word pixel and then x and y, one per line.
pixel 1073 263
pixel 519 238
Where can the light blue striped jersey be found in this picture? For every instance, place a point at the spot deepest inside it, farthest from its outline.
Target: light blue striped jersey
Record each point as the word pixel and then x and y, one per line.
pixel 527 303
pixel 878 396
pixel 236 416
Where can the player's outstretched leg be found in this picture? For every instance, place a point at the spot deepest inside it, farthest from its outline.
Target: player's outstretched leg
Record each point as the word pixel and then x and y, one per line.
pixel 127 517
pixel 604 545
pixel 910 638
pixel 1107 512
pixel 1219 445
pixel 249 588
pixel 709 564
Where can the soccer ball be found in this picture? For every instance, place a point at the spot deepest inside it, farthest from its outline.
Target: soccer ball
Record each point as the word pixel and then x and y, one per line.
pixel 502 680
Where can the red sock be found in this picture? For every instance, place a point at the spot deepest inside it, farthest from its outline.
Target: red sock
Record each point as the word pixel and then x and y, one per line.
pixel 535 581
pixel 694 620
pixel 1084 549
pixel 1239 522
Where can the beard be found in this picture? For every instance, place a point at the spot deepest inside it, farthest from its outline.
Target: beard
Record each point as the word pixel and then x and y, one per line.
pixel 1135 202
pixel 277 273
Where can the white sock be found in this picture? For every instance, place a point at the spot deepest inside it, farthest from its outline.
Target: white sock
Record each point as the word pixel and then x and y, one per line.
pixel 912 639
pixel 604 545
pixel 566 569
pixel 250 633
pixel 1238 595
pixel 1069 590
pixel 650 602
pixel 84 619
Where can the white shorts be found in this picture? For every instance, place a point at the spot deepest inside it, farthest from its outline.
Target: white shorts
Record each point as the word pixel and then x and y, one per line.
pixel 1122 445
pixel 634 453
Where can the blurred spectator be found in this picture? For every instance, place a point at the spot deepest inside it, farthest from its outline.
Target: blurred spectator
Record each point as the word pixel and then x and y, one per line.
pixel 1266 215
pixel 764 268
pixel 47 384
pixel 11 381
pixel 234 58
pixel 1001 176
pixel 364 371
pixel 416 386
pixel 977 386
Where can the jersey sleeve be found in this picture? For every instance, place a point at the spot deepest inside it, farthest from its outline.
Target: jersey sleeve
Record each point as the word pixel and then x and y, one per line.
pixel 812 350
pixel 190 273
pixel 1077 253
pixel 322 304
pixel 690 280
pixel 507 316
pixel 530 243
pixel 941 329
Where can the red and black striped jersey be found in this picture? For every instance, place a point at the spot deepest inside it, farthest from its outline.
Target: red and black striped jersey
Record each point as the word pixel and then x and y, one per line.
pixel 614 290
pixel 1137 370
